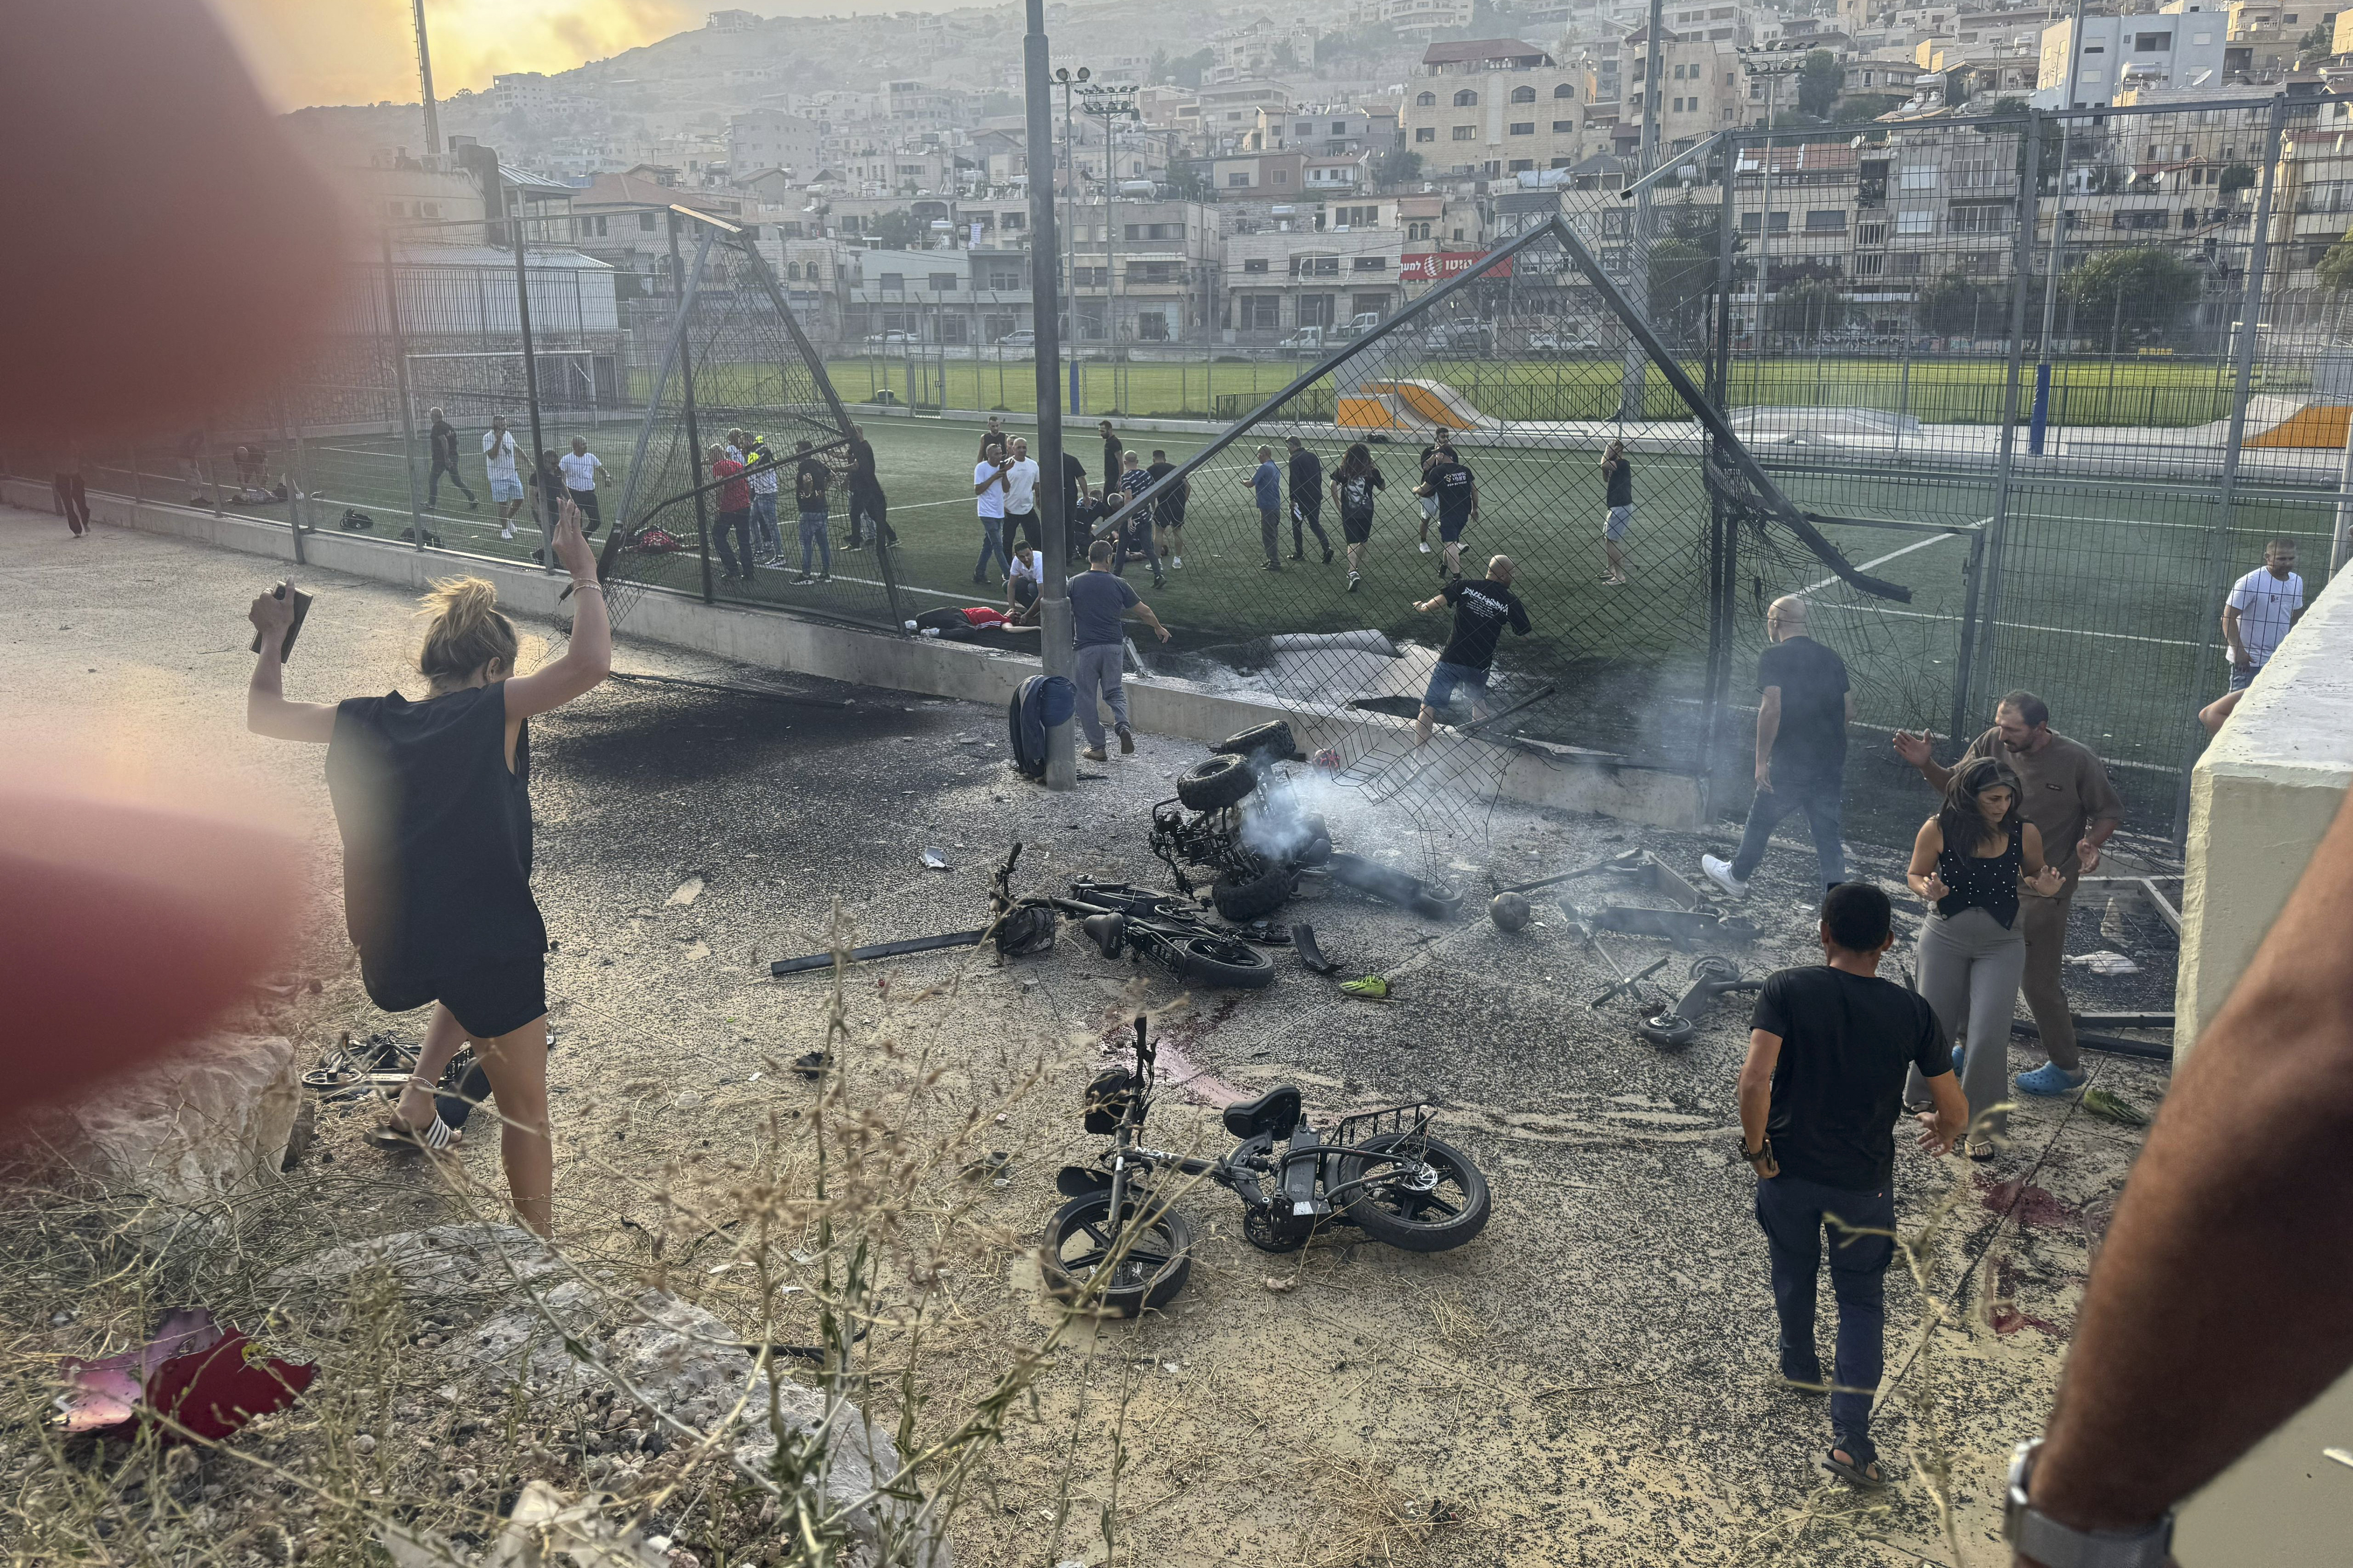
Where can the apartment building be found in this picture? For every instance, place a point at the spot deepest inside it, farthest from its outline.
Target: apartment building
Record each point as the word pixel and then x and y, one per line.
pixel 1417 18
pixel 1256 49
pixel 1701 89
pixel 958 297
pixel 1154 279
pixel 772 138
pixel 1735 23
pixel 1492 106
pixel 1247 177
pixel 1227 113
pixel 1323 133
pixel 1278 282
pixel 2174 48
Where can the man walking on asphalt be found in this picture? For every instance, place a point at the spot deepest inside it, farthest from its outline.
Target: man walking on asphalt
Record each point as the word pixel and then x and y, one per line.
pixel 1098 600
pixel 1306 500
pixel 1266 484
pixel 2264 604
pixel 1482 611
pixel 2066 793
pixel 1801 719
pixel 444 442
pixel 1829 1048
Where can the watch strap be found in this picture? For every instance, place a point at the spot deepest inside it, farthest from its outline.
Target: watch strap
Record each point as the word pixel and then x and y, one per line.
pixel 2056 1545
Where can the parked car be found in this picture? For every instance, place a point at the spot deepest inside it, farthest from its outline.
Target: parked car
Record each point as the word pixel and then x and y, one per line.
pixel 1558 342
pixel 1304 338
pixel 889 340
pixel 1023 339
pixel 1461 337
pixel 1362 322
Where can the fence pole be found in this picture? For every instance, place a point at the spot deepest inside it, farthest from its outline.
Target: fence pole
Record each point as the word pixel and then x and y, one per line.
pixel 1975 648
pixel 542 503
pixel 2341 543
pixel 297 490
pixel 407 404
pixel 1722 593
pixel 686 399
pixel 2250 316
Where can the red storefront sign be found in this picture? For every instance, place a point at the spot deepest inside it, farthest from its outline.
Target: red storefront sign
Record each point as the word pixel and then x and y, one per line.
pixel 1437 267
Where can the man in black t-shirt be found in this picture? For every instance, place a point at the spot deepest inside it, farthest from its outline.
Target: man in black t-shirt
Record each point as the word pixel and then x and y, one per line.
pixel 1074 496
pixel 1820 1095
pixel 1442 444
pixel 1482 611
pixel 444 439
pixel 869 509
pixel 1306 501
pixel 1167 511
pixel 810 480
pixel 1447 482
pixel 1801 719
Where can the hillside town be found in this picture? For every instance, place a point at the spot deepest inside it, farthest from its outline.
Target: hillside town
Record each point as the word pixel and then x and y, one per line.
pixel 1306 173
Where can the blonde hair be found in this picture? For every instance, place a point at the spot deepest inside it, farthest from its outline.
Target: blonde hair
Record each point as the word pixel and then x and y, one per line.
pixel 465 629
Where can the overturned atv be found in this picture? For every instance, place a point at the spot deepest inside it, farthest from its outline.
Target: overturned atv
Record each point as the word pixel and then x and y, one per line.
pixel 1235 816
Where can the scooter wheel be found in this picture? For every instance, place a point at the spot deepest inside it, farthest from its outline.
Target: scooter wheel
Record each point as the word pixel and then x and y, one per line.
pixel 1142 1262
pixel 1670 1030
pixel 1419 1195
pixel 1271 1232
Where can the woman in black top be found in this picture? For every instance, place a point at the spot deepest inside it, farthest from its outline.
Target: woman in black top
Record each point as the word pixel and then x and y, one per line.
pixel 1354 484
pixel 433 802
pixel 1968 861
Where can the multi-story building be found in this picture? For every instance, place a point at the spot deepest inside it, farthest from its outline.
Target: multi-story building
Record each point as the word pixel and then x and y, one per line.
pixel 1142 271
pixel 1490 107
pixel 1257 47
pixel 772 138
pixel 1323 133
pixel 1247 176
pixel 2180 47
pixel 524 92
pixel 958 297
pixel 1225 114
pixel 1701 89
pixel 1279 281
pixel 1733 23
pixel 1417 18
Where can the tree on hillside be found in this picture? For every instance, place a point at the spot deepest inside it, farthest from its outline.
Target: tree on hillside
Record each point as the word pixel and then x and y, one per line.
pixel 1818 81
pixel 1863 106
pixel 1185 70
pixel 2142 290
pixel 1396 167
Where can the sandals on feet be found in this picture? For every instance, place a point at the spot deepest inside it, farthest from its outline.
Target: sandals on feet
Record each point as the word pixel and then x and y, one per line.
pixel 1867 1475
pixel 395 1135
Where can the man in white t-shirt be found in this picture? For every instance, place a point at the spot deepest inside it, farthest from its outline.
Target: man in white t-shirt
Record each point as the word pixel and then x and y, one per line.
pixel 499 464
pixel 2263 606
pixel 582 474
pixel 1021 498
pixel 989 484
pixel 1025 579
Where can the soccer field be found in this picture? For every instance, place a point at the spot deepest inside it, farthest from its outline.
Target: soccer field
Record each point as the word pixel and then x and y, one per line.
pixel 2105 607
pixel 1948 389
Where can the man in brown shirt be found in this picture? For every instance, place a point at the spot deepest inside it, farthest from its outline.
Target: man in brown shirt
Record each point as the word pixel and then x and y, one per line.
pixel 2067 795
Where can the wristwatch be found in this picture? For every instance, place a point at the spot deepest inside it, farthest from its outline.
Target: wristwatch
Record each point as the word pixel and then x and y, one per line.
pixel 2035 1534
pixel 1764 1147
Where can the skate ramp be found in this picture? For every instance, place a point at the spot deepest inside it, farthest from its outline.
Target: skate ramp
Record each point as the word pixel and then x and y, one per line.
pixel 2313 426
pixel 1426 403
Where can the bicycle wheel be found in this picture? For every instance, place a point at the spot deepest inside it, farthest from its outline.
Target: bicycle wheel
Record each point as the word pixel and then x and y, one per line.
pixel 1429 1197
pixel 1154 1248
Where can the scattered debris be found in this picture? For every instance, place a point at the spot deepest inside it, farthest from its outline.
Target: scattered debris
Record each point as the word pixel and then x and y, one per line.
pixel 935 861
pixel 2114 1108
pixel 992 1165
pixel 206 1380
pixel 2104 962
pixel 811 1065
pixel 1303 943
pixel 684 894
pixel 1369 988
pixel 1281 1285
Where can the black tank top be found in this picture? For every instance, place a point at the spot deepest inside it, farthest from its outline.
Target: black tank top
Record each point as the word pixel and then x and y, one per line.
pixel 437 839
pixel 1981 883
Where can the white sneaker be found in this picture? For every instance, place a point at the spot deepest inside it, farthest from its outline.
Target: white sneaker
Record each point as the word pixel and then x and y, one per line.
pixel 1177 560
pixel 506 533
pixel 1425 547
pixel 1719 871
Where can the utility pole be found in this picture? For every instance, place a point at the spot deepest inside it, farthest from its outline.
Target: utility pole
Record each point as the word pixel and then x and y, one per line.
pixel 1055 638
pixel 1110 105
pixel 425 81
pixel 2041 419
pixel 1067 79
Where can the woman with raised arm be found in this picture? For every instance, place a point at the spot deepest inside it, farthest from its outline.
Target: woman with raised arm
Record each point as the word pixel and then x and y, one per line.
pixel 1968 862
pixel 433 800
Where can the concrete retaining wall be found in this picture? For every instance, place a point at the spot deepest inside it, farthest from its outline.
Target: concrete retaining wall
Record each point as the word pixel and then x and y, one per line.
pixel 2260 800
pixel 774 640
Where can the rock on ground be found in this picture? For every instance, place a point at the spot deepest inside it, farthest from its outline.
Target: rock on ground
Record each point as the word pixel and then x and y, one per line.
pixel 208 1122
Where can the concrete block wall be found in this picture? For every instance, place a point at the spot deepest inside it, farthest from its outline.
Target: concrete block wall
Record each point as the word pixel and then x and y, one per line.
pixel 2260 800
pixel 775 639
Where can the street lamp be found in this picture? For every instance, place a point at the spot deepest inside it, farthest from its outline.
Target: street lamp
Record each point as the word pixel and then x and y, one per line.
pixel 1110 105
pixel 1771 61
pixel 1067 79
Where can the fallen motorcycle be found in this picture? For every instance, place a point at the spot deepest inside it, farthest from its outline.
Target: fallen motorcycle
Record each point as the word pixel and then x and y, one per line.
pixel 1120 1243
pixel 1234 816
pixel 1135 921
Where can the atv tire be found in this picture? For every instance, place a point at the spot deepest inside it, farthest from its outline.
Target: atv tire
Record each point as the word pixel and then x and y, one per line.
pixel 1274 736
pixel 1243 900
pixel 1212 786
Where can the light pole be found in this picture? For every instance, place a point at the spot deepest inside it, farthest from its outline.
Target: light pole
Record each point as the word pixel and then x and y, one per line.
pixel 1771 61
pixel 2039 422
pixel 1110 105
pixel 1067 79
pixel 1055 650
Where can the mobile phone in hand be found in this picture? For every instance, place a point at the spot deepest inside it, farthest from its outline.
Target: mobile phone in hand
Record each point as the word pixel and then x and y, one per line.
pixel 301 608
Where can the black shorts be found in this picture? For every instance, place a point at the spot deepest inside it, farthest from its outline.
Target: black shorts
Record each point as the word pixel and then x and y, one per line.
pixel 493 1000
pixel 1451 531
pixel 1355 529
pixel 1172 514
pixel 591 518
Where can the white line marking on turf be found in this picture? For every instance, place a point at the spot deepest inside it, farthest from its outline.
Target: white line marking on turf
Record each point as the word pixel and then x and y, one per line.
pixel 1884 560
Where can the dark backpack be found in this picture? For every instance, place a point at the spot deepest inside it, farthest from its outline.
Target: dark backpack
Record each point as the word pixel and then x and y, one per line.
pixel 1041 702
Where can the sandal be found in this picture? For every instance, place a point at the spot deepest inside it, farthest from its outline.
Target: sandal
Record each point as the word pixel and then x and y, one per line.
pixel 397 1136
pixel 1867 1475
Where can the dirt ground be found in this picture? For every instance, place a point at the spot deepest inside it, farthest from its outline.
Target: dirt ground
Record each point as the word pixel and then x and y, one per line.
pixel 1590 1382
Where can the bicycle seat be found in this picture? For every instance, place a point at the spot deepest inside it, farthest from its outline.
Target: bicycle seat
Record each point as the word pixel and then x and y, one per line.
pixel 1275 1112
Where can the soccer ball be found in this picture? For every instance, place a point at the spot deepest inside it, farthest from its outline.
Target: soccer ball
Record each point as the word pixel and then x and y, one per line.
pixel 1509 911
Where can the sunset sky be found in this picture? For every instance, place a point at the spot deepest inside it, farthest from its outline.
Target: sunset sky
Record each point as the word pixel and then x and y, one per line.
pixel 358 51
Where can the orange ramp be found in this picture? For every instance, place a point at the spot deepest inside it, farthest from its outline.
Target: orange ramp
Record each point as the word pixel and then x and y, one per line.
pixel 2313 426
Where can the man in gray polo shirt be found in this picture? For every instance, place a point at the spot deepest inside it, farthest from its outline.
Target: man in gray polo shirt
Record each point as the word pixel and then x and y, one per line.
pixel 1098 600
